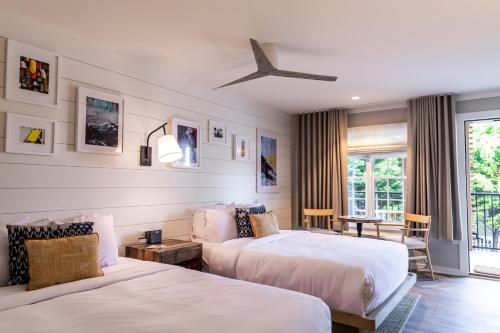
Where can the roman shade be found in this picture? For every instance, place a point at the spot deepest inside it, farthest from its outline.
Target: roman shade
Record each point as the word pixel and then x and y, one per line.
pixel 386 138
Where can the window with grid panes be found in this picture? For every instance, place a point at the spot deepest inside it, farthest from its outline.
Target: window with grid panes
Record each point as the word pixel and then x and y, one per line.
pixel 376 185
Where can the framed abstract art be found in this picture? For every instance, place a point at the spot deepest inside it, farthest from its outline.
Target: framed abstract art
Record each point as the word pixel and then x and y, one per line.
pixel 31 74
pixel 99 125
pixel 187 134
pixel 241 148
pixel 267 162
pixel 29 135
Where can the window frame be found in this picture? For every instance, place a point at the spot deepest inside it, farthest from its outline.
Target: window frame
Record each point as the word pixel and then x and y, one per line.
pixel 370 178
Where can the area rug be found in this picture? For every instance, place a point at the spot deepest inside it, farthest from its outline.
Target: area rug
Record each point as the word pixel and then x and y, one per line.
pixel 480 269
pixel 397 319
pixel 394 322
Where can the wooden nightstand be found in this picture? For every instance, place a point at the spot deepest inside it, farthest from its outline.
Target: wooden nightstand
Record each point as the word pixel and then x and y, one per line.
pixel 174 252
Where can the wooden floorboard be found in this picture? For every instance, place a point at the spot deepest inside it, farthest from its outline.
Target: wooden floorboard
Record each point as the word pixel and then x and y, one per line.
pixel 456 305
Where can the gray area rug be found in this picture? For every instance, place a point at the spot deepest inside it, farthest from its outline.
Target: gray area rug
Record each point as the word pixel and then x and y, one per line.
pixel 397 319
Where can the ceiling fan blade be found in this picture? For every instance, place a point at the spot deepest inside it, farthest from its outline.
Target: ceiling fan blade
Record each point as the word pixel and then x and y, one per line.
pixel 263 64
pixel 249 77
pixel 299 75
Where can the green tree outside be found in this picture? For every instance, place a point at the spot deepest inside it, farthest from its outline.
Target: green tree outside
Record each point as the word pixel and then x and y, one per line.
pixel 484 161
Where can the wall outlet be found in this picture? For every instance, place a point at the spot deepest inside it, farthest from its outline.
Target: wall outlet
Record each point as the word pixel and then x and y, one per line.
pixel 141 234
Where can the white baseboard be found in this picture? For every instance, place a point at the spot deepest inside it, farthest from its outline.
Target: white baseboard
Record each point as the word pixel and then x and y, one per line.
pixel 449 271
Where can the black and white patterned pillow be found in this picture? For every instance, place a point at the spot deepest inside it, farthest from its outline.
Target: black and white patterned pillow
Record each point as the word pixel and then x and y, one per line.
pixel 243 224
pixel 18 261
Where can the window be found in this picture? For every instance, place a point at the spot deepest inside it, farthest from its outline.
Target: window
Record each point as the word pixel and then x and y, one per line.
pixel 376 185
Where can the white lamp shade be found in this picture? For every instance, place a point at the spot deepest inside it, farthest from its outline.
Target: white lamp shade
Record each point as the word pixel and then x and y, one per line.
pixel 168 149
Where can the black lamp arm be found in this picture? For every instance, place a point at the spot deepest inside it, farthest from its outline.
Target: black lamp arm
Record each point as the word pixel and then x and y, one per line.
pixel 155 130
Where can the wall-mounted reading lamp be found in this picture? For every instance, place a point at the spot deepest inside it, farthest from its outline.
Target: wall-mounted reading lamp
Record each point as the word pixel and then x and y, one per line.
pixel 168 148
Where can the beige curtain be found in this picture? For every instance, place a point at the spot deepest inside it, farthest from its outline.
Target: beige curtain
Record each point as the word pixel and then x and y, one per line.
pixel 320 168
pixel 431 170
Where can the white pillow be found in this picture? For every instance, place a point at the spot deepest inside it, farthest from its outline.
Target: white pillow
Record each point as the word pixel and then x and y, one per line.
pixel 104 227
pixel 198 221
pixel 4 250
pixel 220 225
pixel 207 228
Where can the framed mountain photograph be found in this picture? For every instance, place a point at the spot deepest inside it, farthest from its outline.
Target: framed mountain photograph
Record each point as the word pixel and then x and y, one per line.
pixel 29 135
pixel 187 134
pixel 267 162
pixel 31 74
pixel 99 127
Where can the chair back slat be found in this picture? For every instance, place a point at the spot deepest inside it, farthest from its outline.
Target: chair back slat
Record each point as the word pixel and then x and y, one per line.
pixel 420 221
pixel 417 218
pixel 318 212
pixel 325 215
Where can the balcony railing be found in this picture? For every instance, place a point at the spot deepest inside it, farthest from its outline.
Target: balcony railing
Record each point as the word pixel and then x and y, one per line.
pixel 485 220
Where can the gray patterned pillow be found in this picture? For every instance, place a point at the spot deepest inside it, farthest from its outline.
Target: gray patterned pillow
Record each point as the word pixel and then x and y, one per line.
pixel 18 261
pixel 243 224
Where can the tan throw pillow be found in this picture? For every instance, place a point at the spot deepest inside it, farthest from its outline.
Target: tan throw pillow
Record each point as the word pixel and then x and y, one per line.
pixel 264 224
pixel 61 260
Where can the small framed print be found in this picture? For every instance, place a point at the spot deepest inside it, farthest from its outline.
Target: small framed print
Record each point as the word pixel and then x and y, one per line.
pixel 187 134
pixel 217 132
pixel 267 162
pixel 31 74
pixel 99 127
pixel 241 148
pixel 29 135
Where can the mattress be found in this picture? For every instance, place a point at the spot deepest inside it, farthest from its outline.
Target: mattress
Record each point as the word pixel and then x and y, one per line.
pixel 138 296
pixel 353 275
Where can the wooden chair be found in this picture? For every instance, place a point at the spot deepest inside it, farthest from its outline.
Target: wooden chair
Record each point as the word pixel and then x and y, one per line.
pixel 328 213
pixel 416 238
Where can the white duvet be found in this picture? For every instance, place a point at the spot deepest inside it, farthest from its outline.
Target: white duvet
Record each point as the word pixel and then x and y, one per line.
pixel 353 275
pixel 137 296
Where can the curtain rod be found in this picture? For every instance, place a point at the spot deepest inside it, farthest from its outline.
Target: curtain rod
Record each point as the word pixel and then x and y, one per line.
pixel 374 104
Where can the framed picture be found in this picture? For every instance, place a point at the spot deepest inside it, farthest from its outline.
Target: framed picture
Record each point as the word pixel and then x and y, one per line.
pixel 29 135
pixel 99 123
pixel 241 148
pixel 31 74
pixel 217 132
pixel 267 162
pixel 187 134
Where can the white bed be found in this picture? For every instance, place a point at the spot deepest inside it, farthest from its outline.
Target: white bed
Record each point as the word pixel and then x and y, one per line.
pixel 138 296
pixel 352 275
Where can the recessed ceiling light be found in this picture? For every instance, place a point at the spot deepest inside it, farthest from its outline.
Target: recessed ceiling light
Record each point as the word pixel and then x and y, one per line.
pixel 355 98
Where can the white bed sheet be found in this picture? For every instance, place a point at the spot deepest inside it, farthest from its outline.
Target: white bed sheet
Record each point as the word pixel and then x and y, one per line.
pixel 353 275
pixel 125 269
pixel 162 298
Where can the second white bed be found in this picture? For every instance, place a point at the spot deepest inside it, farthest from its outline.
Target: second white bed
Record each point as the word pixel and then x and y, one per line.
pixel 352 275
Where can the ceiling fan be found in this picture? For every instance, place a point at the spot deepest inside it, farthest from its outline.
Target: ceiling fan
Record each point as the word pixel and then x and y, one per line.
pixel 265 67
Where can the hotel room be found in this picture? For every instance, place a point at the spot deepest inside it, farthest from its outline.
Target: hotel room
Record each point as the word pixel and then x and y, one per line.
pixel 249 166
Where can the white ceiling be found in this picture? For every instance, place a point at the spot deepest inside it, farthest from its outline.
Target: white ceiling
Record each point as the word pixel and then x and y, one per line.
pixel 381 50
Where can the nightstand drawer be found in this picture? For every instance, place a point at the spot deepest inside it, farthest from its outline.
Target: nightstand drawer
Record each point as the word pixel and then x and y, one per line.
pixel 172 252
pixel 181 255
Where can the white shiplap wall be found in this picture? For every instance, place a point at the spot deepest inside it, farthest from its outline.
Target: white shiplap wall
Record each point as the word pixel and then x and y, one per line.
pixel 71 183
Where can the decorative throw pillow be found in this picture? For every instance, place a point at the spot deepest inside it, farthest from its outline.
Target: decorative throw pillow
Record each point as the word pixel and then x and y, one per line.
pixel 4 250
pixel 243 222
pixel 264 224
pixel 61 260
pixel 18 262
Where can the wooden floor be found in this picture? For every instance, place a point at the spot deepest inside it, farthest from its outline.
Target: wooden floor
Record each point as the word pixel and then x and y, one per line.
pixel 456 305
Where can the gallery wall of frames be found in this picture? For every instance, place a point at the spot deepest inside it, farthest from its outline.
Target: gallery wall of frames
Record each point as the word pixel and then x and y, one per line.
pixel 70 134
